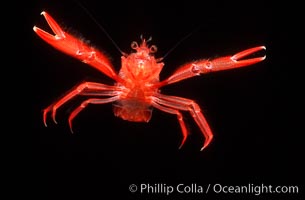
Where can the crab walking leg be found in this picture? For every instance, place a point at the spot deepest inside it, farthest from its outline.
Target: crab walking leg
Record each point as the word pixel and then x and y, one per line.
pixel 97 89
pixel 179 117
pixel 76 48
pixel 206 66
pixel 85 104
pixel 179 103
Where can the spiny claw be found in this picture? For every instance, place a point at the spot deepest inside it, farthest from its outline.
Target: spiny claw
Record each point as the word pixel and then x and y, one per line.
pixel 61 40
pixel 59 33
pixel 236 58
pixel 75 47
pixel 230 62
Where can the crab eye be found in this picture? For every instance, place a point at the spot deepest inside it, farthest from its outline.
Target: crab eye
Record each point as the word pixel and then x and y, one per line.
pixel 134 45
pixel 153 49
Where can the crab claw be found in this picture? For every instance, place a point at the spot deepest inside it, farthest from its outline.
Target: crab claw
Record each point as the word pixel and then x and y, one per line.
pixel 235 61
pixel 63 41
pixel 75 47
pixel 236 58
pixel 206 66
pixel 51 39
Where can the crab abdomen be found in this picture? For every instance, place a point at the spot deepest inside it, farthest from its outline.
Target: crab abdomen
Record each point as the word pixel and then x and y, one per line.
pixel 133 110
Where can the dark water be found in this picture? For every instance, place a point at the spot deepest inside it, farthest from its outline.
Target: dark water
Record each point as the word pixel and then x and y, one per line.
pixel 254 138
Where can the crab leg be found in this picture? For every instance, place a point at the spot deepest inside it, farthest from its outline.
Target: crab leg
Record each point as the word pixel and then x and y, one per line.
pixel 86 88
pixel 76 48
pixel 179 117
pixel 85 104
pixel 174 104
pixel 223 63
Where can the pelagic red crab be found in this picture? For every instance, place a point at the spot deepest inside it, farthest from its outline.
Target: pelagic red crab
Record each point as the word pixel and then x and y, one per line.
pixel 137 85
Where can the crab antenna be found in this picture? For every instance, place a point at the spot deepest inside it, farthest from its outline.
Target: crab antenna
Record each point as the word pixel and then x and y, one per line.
pixel 100 26
pixel 148 40
pixel 179 42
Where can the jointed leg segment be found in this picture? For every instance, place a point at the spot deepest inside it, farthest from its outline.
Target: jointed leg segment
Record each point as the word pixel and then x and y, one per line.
pixel 179 117
pixel 85 104
pixel 173 104
pixel 86 88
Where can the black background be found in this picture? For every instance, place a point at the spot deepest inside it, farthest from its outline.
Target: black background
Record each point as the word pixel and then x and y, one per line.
pixel 251 111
